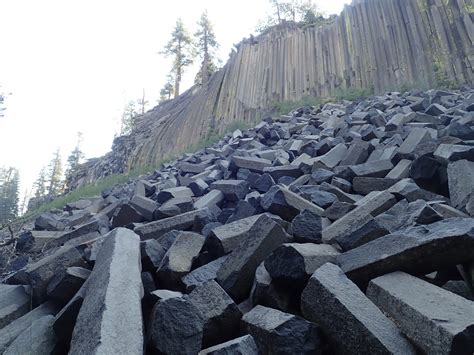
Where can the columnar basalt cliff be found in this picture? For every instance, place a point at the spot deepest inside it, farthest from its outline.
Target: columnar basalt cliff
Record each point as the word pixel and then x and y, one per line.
pixel 378 45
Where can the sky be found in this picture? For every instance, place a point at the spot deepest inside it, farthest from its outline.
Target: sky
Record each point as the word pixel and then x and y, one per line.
pixel 71 66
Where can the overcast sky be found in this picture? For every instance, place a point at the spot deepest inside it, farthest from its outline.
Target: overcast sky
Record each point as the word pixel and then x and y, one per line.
pixel 71 66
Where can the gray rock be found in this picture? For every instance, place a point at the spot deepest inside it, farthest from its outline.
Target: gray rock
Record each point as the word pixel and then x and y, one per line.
pixel 38 338
pixel 446 153
pixel 286 204
pixel 421 249
pixel 174 192
pixel 110 318
pixel 14 302
pixel 251 163
pixel 460 288
pixel 400 171
pixel 203 274
pixel 323 199
pixel 152 254
pixel 179 259
pixel 233 190
pixel 338 210
pixel 212 198
pixel 276 332
pixel 293 264
pixel 64 285
pixel 182 221
pixel 237 272
pixel 243 345
pixel 461 182
pixel 353 324
pixel 437 321
pixel 365 185
pixel 198 187
pixel 145 206
pixel 415 137
pixel 48 221
pixel 125 215
pixel 263 183
pixel 307 227
pixel 321 175
pixel 278 172
pixel 407 188
pixel 378 168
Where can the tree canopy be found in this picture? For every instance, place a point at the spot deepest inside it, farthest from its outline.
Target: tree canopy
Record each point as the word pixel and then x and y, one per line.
pixel 206 43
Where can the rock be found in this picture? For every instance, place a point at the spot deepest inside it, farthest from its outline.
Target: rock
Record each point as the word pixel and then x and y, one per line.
pixel 110 318
pixel 145 206
pixel 38 338
pixel 203 274
pixel 251 163
pixel 77 233
pixel 342 184
pixel 414 138
pixel 460 288
pixel 286 204
pixel 421 310
pixel 176 327
pixel 307 227
pixel 152 254
pixel 293 264
pixel 378 168
pixel 435 110
pixel 47 221
pixel 10 332
pixel 237 272
pixel 14 303
pixel 277 172
pixel 321 175
pixel 221 315
pixel 64 285
pixel 421 249
pixel 242 210
pixel 367 231
pixel 461 182
pixel 447 153
pixel 233 190
pixel 174 192
pixel 263 183
pixel 365 185
pixel 125 215
pixel 323 199
pixel 276 332
pixel 424 167
pixel 182 221
pixel 352 323
pixel 179 259
pixel 338 210
pixel 400 171
pixel 212 198
pixel 408 189
pixel 243 345
pixel 198 187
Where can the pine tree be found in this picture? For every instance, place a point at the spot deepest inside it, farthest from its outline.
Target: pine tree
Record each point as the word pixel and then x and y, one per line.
pixel 181 48
pixel 40 184
pixel 55 176
pixel 168 89
pixel 128 118
pixel 207 44
pixel 75 157
pixel 142 102
pixel 9 196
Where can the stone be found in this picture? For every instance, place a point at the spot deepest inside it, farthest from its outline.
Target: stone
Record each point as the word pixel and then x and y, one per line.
pixel 251 163
pixel 233 190
pixel 77 233
pixel 338 210
pixel 221 315
pixel 10 332
pixel 437 321
pixel 182 221
pixel 365 185
pixel 461 182
pixel 435 110
pixel 179 259
pixel 174 192
pixel 420 249
pixel 321 175
pixel 408 189
pixel 152 254
pixel 447 153
pixel 47 221
pixel 370 230
pixel 242 210
pixel 14 303
pixel 307 227
pixel 237 272
pixel 323 199
pixel 378 168
pixel 342 184
pixel 400 171
pixel 286 204
pixel 203 274
pixel 64 285
pixel 176 327
pixel 424 167
pixel 145 206
pixel 38 338
pixel 415 137
pixel 243 345
pixel 186 167
pixel 110 318
pixel 276 332
pixel 352 323
pixel 125 215
pixel 293 264
pixel 263 183
pixel 459 287
pixel 224 239
pixel 167 212
pixel 278 172
pixel 198 187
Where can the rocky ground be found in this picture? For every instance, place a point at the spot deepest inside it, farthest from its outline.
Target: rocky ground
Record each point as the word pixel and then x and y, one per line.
pixel 347 228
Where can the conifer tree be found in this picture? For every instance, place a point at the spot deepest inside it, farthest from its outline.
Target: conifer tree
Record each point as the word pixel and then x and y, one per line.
pixel 180 47
pixel 75 157
pixel 55 175
pixel 168 89
pixel 128 118
pixel 40 184
pixel 207 44
pixel 9 195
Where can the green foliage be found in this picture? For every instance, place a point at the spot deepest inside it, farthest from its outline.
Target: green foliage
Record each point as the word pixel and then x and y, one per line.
pixel 206 44
pixel 55 175
pixel 442 80
pixel 168 89
pixel 40 184
pixel 74 158
pixel 353 94
pixel 285 107
pixel 9 195
pixel 128 118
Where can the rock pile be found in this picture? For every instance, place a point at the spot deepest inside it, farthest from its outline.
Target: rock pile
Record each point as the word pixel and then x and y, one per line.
pixel 346 228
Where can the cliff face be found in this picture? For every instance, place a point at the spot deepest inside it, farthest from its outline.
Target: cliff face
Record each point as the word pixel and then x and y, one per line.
pixel 374 44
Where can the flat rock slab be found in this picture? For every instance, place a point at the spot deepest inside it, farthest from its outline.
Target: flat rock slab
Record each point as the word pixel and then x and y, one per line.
pixel 38 338
pixel 237 272
pixel 353 324
pixel 461 182
pixel 203 274
pixel 421 249
pixel 64 285
pixel 233 190
pixel 436 320
pixel 180 222
pixel 287 204
pixel 110 319
pixel 243 345
pixel 14 302
pixel 212 198
pixel 9 333
pixel 251 163
pixel 276 332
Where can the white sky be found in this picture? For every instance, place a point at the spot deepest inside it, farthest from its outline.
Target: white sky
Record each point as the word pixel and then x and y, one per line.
pixel 71 66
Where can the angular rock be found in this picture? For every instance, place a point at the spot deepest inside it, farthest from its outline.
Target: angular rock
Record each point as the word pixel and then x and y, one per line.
pixel 179 259
pixel 276 332
pixel 212 198
pixel 321 175
pixel 233 190
pixel 378 168
pixel 446 153
pixel 251 163
pixel 174 192
pixel 420 250
pixel 110 318
pixel 338 210
pixel 365 185
pixel 307 227
pixel 414 138
pixel 237 272
pixel 353 324
pixel 286 204
pixel 408 189
pixel 64 285
pixel 198 187
pixel 263 183
pixel 461 182
pixel 400 171
pixel 152 254
pixel 14 302
pixel 277 172
pixel 203 274
pixel 180 222
pixel 437 321
pixel 47 221
pixel 293 264
pixel 125 215
pixel 243 345
pixel 145 206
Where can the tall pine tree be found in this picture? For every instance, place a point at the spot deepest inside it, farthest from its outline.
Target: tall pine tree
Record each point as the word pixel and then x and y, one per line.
pixel 55 176
pixel 128 118
pixel 40 184
pixel 75 157
pixel 180 47
pixel 9 195
pixel 207 44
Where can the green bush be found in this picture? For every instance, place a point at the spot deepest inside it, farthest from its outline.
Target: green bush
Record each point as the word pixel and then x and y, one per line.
pixel 353 94
pixel 285 107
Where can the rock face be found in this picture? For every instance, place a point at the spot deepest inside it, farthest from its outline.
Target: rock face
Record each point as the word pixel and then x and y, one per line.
pixel 288 238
